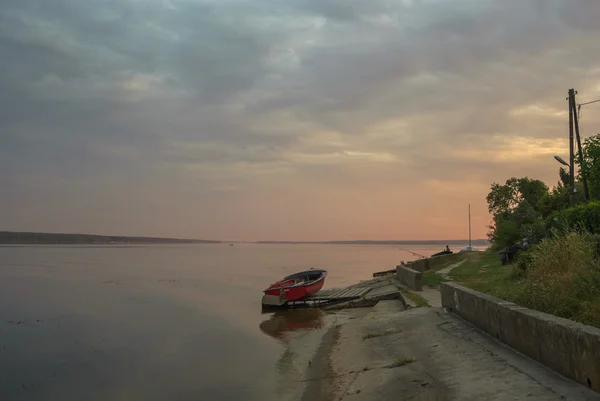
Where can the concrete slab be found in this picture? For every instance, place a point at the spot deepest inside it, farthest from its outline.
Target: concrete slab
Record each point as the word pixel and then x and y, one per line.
pixel 432 295
pixel 568 347
pixel 388 291
pixel 426 354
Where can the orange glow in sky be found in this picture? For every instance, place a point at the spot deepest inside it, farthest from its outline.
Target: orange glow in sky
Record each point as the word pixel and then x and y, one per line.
pixel 301 121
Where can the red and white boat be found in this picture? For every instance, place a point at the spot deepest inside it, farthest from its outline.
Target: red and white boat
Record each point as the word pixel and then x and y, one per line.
pixel 294 287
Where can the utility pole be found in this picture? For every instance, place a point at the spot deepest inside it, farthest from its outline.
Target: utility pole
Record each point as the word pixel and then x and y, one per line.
pixel 586 192
pixel 571 150
pixel 469 226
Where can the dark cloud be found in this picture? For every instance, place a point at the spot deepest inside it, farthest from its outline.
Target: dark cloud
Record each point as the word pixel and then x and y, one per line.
pixel 231 96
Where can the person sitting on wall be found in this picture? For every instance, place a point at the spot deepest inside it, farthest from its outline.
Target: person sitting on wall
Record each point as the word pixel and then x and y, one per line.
pixel 447 248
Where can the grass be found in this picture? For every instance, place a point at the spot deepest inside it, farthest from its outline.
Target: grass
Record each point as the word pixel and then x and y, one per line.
pixel 396 364
pixel 433 279
pixel 562 278
pixel 484 272
pixel 400 362
pixel 418 300
pixel 380 334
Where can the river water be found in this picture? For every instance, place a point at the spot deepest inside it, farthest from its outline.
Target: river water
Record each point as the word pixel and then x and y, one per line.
pixel 173 322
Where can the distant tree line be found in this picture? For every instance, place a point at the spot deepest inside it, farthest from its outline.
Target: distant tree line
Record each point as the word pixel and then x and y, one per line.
pixel 10 237
pixel 482 242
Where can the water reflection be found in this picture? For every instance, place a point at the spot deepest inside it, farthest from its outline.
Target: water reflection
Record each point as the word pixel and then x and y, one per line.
pixel 283 323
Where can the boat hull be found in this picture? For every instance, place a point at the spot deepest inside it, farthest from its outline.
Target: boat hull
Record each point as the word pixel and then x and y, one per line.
pixel 442 253
pixel 292 288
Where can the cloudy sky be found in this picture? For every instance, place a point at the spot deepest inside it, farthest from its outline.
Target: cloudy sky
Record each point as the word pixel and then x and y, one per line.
pixel 293 119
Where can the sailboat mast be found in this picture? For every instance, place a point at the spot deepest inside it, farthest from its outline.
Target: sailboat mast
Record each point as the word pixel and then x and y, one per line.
pixel 469 226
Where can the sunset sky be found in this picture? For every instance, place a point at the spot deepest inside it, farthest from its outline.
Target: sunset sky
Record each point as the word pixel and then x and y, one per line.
pixel 284 120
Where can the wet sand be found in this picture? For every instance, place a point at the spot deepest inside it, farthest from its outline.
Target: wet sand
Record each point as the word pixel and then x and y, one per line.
pixel 317 388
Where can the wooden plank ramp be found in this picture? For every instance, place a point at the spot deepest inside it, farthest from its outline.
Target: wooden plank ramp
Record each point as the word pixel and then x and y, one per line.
pixel 334 294
pixel 331 297
pixel 365 293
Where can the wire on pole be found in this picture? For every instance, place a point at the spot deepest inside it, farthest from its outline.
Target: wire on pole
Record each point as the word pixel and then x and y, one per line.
pixel 583 104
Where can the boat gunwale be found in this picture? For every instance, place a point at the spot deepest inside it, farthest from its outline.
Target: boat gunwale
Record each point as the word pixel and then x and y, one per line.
pixel 298 284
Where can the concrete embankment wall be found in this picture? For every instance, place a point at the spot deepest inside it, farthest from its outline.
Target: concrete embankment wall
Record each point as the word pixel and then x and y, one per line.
pixel 572 349
pixel 410 277
pixel 420 265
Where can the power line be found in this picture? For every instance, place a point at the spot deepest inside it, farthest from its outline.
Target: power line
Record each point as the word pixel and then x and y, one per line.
pixel 583 104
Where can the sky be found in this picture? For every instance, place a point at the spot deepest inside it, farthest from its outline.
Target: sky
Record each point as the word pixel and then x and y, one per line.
pixel 284 120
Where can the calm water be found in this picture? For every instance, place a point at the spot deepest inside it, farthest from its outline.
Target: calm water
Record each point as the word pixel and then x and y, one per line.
pixel 154 322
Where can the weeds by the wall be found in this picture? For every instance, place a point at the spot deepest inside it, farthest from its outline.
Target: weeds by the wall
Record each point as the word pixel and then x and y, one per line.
pixel 563 278
pixel 559 276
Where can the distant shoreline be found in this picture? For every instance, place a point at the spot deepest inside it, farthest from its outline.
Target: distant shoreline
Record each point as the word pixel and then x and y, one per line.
pixel 32 238
pixel 480 242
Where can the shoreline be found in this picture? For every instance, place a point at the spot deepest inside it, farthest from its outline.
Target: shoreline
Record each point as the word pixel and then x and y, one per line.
pixel 321 370
pixel 393 351
pixel 33 237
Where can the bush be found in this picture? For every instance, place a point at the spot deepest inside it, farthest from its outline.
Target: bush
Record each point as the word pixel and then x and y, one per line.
pixel 533 233
pixel 524 260
pixel 582 217
pixel 563 277
pixel 506 234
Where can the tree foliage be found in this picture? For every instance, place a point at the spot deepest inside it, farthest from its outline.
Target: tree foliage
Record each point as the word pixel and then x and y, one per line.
pixel 591 165
pixel 524 209
pixel 581 217
pixel 515 207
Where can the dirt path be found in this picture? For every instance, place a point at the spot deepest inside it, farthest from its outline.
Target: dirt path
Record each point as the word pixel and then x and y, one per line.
pixel 446 270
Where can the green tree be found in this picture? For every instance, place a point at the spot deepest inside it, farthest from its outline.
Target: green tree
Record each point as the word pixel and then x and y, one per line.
pixel 521 206
pixel 502 199
pixel 532 191
pixel 514 207
pixel 564 178
pixel 591 165
pixel 505 233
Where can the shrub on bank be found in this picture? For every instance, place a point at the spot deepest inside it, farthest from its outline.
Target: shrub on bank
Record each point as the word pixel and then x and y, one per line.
pixel 582 217
pixel 563 277
pixel 524 261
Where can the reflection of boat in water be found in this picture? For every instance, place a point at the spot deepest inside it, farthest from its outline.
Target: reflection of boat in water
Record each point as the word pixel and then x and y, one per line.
pixel 294 287
pixel 284 322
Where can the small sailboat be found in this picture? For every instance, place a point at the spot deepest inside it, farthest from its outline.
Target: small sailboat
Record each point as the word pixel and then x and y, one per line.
pixel 469 248
pixel 294 287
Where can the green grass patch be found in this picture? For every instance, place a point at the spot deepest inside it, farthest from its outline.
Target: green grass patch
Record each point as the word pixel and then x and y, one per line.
pixel 561 277
pixel 433 279
pixel 484 272
pixel 418 300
